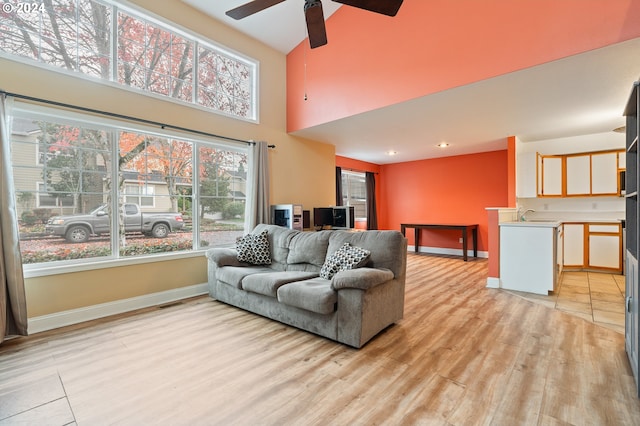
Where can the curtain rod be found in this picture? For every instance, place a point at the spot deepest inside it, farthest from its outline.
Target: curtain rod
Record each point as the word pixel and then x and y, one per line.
pixel 126 117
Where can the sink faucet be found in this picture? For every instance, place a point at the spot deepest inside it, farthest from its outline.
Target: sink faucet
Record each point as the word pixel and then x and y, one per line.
pixel 523 217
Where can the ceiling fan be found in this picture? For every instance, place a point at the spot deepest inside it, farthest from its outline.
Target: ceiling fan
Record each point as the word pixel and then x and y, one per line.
pixel 313 13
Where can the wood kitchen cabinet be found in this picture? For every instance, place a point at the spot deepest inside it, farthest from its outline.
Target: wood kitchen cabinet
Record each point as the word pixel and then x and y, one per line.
pixel 585 174
pixel 593 245
pixel 604 174
pixel 549 176
pixel 573 253
pixel 579 175
pixel 605 246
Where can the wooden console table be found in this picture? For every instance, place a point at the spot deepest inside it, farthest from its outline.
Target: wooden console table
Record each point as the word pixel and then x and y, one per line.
pixel 461 227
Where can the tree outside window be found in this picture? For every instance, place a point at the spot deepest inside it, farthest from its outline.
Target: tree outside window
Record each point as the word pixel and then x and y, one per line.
pixel 74 176
pixel 145 54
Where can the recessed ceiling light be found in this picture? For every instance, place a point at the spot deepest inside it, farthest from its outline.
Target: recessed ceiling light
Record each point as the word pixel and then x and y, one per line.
pixel 442 145
pixel 392 152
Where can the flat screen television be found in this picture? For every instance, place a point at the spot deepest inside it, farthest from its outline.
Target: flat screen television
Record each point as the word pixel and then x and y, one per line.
pixel 339 217
pixel 322 216
pixel 343 217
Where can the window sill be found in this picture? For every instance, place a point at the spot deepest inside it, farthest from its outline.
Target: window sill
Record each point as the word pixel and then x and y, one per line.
pixel 43 270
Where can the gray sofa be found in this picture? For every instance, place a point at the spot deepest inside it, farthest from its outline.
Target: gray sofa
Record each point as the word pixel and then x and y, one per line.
pixel 351 307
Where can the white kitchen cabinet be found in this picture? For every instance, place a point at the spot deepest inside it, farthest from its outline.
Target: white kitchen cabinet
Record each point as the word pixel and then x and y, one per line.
pixel 605 246
pixel 604 173
pixel 573 245
pixel 550 175
pixel 593 245
pixel 526 175
pixel 579 175
pixel 528 256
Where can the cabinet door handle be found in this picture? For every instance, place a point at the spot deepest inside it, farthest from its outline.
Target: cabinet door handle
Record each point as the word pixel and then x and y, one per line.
pixel 628 304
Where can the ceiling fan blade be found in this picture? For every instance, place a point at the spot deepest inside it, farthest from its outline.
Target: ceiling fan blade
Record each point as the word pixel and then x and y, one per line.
pixel 315 23
pixel 251 8
pixel 385 7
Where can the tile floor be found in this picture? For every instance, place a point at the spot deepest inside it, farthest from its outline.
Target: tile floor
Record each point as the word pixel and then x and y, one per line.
pixel 595 296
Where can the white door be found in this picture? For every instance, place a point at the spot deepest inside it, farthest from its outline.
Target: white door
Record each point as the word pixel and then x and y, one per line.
pixel 604 246
pixel 579 175
pixel 574 244
pixel 604 169
pixel 551 176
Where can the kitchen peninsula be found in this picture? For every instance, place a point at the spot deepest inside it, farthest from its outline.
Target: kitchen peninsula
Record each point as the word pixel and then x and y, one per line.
pixel 529 256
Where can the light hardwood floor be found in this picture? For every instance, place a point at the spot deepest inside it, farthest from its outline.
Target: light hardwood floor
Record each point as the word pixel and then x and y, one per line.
pixel 595 296
pixel 463 355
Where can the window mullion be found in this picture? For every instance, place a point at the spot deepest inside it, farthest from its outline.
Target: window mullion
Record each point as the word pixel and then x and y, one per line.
pixel 114 192
pixel 196 70
pixel 195 195
pixel 114 44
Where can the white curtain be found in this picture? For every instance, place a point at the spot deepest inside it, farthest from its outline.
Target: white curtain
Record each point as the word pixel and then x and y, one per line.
pixel 258 209
pixel 13 306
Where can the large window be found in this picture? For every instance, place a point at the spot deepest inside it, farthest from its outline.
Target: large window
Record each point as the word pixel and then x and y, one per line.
pixel 106 40
pixel 169 193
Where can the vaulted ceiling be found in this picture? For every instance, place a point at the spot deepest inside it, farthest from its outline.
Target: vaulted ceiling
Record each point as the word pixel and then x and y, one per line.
pixel 578 94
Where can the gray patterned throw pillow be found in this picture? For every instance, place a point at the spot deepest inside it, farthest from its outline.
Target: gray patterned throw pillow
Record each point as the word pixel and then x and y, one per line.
pixel 345 258
pixel 254 249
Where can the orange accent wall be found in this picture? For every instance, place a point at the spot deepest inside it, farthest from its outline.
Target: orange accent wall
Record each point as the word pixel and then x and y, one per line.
pixel 454 189
pixel 493 231
pixel 372 61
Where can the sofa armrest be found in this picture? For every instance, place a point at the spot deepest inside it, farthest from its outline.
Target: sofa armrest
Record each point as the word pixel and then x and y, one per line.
pixel 362 278
pixel 221 256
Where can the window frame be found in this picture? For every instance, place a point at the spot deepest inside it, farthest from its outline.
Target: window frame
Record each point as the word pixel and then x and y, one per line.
pixel 346 196
pixel 114 126
pixel 174 28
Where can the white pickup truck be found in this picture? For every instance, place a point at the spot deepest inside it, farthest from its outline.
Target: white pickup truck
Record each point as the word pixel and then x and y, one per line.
pixel 77 228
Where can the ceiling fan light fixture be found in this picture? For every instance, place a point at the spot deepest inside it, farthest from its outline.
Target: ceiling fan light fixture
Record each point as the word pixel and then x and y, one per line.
pixel 314 15
pixel 315 23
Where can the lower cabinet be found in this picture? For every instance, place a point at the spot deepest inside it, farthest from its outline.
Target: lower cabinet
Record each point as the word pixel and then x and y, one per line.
pixel 605 247
pixel 574 245
pixel 596 246
pixel 528 258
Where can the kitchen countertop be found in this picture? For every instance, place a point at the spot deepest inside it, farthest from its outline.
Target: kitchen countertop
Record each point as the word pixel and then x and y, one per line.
pixel 534 223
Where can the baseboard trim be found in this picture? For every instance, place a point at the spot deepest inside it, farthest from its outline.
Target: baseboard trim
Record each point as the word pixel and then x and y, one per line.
pixel 88 313
pixel 493 282
pixel 447 251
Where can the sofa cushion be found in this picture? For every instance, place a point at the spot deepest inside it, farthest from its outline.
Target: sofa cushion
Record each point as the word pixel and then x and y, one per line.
pixel 345 258
pixel 254 248
pixel 314 295
pixel 388 248
pixel 309 247
pixel 233 275
pixel 268 283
